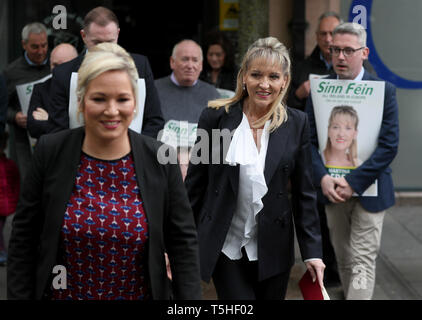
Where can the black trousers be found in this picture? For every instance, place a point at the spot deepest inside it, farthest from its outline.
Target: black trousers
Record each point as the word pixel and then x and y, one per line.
pixel 238 280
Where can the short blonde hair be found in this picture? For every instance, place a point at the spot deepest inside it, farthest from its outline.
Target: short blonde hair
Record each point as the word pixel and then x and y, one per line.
pixel 102 58
pixel 275 53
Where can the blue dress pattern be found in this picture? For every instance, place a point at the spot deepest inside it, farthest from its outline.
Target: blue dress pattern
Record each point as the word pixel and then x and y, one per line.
pixel 104 234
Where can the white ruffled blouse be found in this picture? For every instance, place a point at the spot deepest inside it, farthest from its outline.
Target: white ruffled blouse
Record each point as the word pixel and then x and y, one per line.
pixel 252 188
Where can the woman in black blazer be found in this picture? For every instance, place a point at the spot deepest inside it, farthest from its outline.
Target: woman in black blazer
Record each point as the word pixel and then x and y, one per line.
pixel 240 193
pixel 99 205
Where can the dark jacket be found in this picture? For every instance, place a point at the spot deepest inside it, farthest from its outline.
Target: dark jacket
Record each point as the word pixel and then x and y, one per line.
pixel 3 104
pixel 34 243
pixel 153 119
pixel 40 98
pixel 213 190
pixel 16 73
pixel 377 166
pixel 226 79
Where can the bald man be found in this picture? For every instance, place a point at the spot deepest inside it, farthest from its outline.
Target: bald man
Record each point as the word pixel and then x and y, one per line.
pixel 38 123
pixel 183 96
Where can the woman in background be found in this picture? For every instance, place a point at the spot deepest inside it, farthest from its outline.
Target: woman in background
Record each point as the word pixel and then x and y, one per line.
pixel 219 66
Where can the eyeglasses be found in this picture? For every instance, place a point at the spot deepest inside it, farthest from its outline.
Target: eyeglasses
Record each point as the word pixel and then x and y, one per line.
pixel 347 52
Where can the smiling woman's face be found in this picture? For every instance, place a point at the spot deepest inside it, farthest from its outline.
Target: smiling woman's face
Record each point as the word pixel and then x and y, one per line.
pixel 216 56
pixel 342 132
pixel 108 106
pixel 264 82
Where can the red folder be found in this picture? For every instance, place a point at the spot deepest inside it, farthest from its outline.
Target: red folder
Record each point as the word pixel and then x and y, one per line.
pixel 310 290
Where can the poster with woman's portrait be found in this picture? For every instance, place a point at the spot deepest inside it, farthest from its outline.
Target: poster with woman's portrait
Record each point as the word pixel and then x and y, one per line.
pixel 348 116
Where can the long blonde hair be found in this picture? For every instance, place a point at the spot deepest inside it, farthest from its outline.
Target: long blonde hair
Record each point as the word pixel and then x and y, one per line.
pixel 276 53
pixel 352 153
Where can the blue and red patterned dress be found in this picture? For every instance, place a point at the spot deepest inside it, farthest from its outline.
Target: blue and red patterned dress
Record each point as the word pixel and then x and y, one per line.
pixel 104 234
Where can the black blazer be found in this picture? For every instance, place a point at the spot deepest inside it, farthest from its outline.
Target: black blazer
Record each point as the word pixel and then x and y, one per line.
pixel 213 189
pixel 34 243
pixel 59 92
pixel 40 98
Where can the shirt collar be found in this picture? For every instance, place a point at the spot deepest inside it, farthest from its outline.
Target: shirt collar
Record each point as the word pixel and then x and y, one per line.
pixel 30 62
pixel 360 75
pixel 328 65
pixel 174 80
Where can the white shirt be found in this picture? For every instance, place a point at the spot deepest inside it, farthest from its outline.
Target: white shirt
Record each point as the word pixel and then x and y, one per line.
pixel 252 188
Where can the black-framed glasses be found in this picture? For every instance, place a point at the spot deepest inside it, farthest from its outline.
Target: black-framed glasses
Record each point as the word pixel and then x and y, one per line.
pixel 347 52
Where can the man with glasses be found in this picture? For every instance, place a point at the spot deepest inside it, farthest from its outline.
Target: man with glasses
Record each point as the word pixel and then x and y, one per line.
pixel 355 223
pixel 319 61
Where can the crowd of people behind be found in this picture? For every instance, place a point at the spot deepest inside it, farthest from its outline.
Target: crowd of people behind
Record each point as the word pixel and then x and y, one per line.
pixel 90 194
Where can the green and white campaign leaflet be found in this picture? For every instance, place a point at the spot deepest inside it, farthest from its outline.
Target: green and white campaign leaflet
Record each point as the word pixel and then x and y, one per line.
pixel 179 133
pixel 365 99
pixel 24 92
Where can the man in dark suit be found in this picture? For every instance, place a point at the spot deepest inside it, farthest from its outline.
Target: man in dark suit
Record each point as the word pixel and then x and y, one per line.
pixel 31 66
pixel 355 223
pixel 38 112
pixel 319 61
pixel 101 25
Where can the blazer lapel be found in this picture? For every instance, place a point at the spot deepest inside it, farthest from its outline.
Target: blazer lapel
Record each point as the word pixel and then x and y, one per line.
pixel 231 122
pixel 367 76
pixel 139 158
pixel 71 156
pixel 275 150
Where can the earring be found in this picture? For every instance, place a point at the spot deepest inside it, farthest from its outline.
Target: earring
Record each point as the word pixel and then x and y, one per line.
pixel 244 87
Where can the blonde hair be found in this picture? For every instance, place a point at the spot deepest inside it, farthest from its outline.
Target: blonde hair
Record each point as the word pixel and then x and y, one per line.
pixel 102 58
pixel 352 154
pixel 274 52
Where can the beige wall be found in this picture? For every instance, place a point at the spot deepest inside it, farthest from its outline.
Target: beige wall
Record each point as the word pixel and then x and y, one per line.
pixel 314 8
pixel 279 16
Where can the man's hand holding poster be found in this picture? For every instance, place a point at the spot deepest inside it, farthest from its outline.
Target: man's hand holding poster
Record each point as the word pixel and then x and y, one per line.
pixel 348 116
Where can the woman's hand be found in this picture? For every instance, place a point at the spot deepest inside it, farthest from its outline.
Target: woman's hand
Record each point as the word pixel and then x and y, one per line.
pixel 316 268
